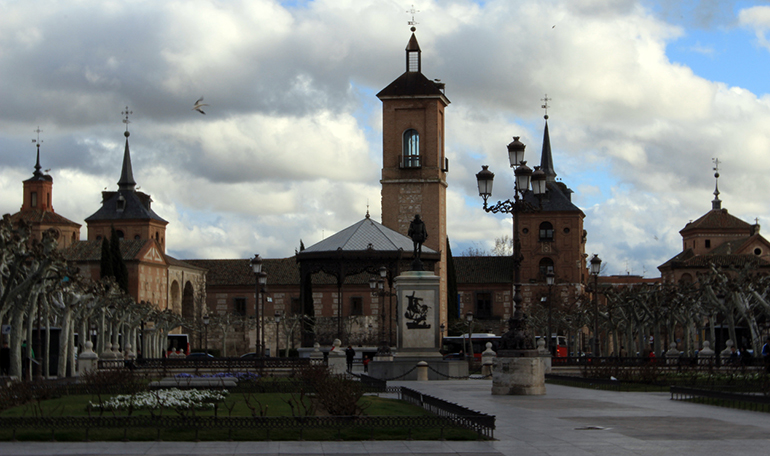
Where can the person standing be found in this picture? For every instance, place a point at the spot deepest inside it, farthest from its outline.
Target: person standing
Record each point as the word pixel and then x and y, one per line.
pixel 349 355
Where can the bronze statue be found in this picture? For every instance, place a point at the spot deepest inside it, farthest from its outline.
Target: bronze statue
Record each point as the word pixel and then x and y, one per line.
pixel 418 233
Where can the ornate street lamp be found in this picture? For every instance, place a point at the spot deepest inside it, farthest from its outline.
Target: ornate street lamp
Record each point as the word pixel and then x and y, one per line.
pixel 596 266
pixel 277 323
pixel 469 321
pixel 550 278
pixel 523 176
pixel 256 267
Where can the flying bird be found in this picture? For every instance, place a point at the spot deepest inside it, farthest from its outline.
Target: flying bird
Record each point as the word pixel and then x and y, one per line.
pixel 198 105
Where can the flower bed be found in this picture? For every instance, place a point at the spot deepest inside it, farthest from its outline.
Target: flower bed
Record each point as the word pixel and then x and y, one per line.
pixel 170 398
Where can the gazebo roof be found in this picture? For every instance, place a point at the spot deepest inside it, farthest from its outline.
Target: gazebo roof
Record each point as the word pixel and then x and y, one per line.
pixel 365 235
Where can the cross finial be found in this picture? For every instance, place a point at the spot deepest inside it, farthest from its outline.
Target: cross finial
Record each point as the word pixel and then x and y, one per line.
pixel 126 113
pixel 545 105
pixel 38 131
pixel 716 203
pixel 412 23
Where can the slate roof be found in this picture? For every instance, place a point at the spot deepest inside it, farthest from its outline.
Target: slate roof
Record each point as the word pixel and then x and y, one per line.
pixel 364 235
pixel 486 269
pixel 556 199
pixel 412 84
pixel 42 217
pixel 136 207
pixel 688 259
pixel 92 250
pixel 280 271
pixel 718 219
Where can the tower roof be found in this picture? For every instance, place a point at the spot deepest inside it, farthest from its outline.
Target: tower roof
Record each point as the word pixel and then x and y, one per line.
pixel 546 158
pixel 365 235
pixel 126 181
pixel 413 83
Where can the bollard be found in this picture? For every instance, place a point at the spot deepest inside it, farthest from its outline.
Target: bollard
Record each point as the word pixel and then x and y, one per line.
pixel 422 371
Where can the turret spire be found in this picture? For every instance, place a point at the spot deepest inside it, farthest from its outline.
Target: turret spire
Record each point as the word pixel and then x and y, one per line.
pixel 126 181
pixel 37 172
pixel 716 203
pixel 546 158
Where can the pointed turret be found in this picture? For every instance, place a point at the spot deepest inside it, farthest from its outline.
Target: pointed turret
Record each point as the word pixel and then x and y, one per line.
pixel 546 158
pixel 126 181
pixel 413 55
pixel 716 203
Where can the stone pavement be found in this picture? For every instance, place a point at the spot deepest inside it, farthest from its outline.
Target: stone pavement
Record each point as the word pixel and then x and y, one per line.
pixel 566 421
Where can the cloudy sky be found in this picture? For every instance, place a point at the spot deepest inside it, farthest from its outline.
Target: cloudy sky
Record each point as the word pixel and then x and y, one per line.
pixel 644 94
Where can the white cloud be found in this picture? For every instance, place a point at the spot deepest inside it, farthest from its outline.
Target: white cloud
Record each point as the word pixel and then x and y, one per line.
pixel 290 145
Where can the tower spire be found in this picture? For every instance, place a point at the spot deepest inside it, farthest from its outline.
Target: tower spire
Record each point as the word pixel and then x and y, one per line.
pixel 37 142
pixel 546 158
pixel 126 181
pixel 716 203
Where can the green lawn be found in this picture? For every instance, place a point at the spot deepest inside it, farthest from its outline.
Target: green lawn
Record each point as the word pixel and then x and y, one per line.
pixel 269 404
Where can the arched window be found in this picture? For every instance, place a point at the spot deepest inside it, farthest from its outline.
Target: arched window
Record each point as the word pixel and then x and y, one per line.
pixel 546 266
pixel 411 156
pixel 546 232
pixel 120 234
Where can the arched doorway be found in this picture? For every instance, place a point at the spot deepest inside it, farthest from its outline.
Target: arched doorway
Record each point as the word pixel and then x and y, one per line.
pixel 176 298
pixel 188 306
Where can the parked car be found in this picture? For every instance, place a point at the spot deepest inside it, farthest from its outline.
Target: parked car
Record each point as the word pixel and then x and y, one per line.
pixel 200 356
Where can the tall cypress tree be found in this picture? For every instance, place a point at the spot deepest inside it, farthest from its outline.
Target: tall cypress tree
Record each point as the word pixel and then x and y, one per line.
pixel 451 280
pixel 118 265
pixel 106 261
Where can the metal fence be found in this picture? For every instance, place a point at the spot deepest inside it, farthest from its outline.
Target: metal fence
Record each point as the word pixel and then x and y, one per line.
pixel 480 422
pixel 746 400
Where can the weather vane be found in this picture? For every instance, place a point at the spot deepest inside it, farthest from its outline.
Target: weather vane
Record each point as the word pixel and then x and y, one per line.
pixel 412 11
pixel 716 167
pixel 38 141
pixel 545 104
pixel 126 113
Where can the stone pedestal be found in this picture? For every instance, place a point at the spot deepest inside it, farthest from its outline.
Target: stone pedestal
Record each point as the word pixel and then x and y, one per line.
pixel 706 355
pixel 419 316
pixel 518 372
pixel 87 360
pixel 337 362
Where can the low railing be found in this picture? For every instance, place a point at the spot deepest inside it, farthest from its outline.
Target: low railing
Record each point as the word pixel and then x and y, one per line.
pixel 217 364
pixel 480 422
pixel 746 400
pixel 198 423
pixel 677 362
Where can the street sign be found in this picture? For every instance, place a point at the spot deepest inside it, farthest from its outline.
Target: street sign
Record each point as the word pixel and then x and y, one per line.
pixel 6 329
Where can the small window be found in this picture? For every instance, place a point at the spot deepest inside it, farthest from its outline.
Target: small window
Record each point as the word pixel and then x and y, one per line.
pixel 546 266
pixel 296 307
pixel 121 203
pixel 708 243
pixel 137 237
pixel 546 232
pixel 483 305
pixel 525 230
pixel 566 230
pixel 757 251
pixel 33 199
pixel 239 305
pixel 411 156
pixel 120 234
pixel 356 305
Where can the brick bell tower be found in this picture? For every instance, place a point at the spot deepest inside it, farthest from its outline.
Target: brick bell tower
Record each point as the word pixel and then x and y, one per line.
pixel 414 165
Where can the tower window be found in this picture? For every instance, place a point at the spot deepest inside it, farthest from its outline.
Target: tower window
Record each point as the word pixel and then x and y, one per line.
pixel 411 157
pixel 33 199
pixel 546 232
pixel 757 251
pixel 121 203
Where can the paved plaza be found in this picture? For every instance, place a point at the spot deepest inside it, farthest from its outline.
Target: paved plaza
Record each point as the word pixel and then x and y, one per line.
pixel 566 421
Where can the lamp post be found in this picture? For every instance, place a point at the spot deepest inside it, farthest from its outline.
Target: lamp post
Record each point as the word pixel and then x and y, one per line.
pixel 596 265
pixel 549 279
pixel 377 287
pixel 469 321
pixel 256 267
pixel 277 323
pixel 206 332
pixel 523 176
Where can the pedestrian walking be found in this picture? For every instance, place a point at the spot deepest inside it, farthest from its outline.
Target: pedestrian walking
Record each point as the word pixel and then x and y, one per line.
pixel 349 355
